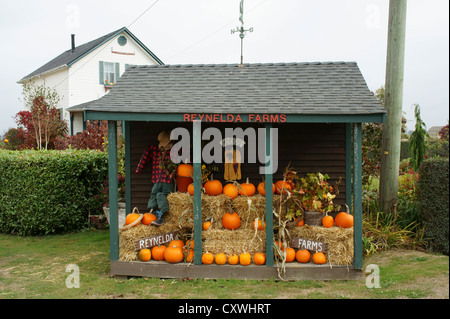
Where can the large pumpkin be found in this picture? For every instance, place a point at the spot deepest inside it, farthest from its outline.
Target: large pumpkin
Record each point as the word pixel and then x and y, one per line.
pixel 247 189
pixel 262 188
pixel 231 221
pixel 185 170
pixel 282 187
pixel 213 187
pixel 173 254
pixel 344 220
pixel 231 190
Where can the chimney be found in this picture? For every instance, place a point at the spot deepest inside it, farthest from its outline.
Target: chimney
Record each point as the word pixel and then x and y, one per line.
pixel 73 42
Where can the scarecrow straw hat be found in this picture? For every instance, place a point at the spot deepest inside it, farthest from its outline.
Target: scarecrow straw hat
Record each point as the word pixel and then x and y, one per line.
pixel 164 139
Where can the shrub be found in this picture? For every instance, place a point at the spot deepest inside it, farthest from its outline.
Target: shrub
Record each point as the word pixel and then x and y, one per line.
pixel 47 192
pixel 433 195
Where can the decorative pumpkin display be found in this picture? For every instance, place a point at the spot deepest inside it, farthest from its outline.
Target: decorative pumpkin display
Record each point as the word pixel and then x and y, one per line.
pixel 233 259
pixel 262 188
pixel 207 258
pixel 190 256
pixel 173 254
pixel 282 187
pixel 260 225
pixel 131 218
pixel 145 255
pixel 206 225
pixel 231 190
pixel 247 189
pixel 148 218
pixel 319 258
pixel 327 221
pixel 176 243
pixel 303 256
pixel 259 258
pixel 344 220
pixel 185 170
pixel 220 259
pixel 158 252
pixel 245 259
pixel 290 255
pixel 231 221
pixel 213 187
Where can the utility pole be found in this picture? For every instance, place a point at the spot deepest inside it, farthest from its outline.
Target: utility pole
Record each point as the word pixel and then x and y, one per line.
pixel 390 157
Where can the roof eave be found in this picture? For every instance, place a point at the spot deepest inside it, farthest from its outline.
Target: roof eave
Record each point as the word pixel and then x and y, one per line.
pixel 29 78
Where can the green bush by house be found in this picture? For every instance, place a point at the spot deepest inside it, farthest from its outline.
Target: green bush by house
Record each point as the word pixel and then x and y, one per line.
pixel 433 187
pixel 47 192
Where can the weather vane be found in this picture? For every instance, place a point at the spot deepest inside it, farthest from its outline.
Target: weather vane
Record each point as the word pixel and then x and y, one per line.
pixel 241 29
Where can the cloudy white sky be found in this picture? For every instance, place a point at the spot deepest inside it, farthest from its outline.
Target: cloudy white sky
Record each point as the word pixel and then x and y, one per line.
pixel 198 31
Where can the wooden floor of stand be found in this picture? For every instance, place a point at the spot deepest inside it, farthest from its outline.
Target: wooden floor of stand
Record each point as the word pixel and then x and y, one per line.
pixel 294 271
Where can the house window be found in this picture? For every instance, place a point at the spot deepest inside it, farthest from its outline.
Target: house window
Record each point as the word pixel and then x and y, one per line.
pixel 108 72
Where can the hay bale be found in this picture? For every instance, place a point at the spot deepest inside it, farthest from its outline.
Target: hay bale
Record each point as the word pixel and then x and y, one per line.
pixel 340 241
pixel 249 208
pixel 233 241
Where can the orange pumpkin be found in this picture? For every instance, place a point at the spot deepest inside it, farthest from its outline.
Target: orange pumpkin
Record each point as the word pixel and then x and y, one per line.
pixel 301 223
pixel 327 221
pixel 231 221
pixel 247 189
pixel 190 256
pixel 131 218
pixel 233 259
pixel 282 187
pixel 148 218
pixel 259 258
pixel 213 187
pixel 245 259
pixel 145 255
pixel 231 190
pixel 190 189
pixel 189 244
pixel 220 259
pixel 176 243
pixel 260 226
pixel 206 225
pixel 158 252
pixel 173 254
pixel 185 170
pixel 319 258
pixel 262 188
pixel 290 255
pixel 303 256
pixel 207 258
pixel 344 220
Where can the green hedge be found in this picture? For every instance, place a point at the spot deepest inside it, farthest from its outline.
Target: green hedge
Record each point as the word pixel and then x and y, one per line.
pixel 48 192
pixel 433 196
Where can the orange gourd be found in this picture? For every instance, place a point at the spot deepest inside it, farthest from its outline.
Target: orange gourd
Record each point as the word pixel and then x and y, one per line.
pixel 176 243
pixel 158 252
pixel 148 218
pixel 131 218
pixel 290 255
pixel 231 190
pixel 303 256
pixel 220 259
pixel 344 220
pixel 301 223
pixel 247 189
pixel 233 259
pixel 262 188
pixel 213 187
pixel 327 221
pixel 185 170
pixel 206 225
pixel 245 259
pixel 207 258
pixel 231 221
pixel 260 226
pixel 190 189
pixel 173 254
pixel 319 258
pixel 282 187
pixel 145 255
pixel 259 258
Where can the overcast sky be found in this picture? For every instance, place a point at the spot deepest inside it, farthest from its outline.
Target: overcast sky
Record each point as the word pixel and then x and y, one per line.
pixel 198 32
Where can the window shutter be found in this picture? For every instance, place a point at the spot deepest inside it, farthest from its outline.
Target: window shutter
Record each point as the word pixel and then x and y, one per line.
pixel 117 71
pixel 100 73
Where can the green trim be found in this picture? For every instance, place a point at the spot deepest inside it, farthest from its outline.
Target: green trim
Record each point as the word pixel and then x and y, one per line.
pixel 197 151
pixel 348 165
pixel 268 178
pixel 127 138
pixel 357 196
pixel 113 192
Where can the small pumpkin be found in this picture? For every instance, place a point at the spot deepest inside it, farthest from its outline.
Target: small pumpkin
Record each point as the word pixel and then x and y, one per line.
pixel 148 218
pixel 173 254
pixel 190 189
pixel 190 256
pixel 206 225
pixel 303 256
pixel 145 254
pixel 327 221
pixel 185 170
pixel 260 225
pixel 290 255
pixel 231 221
pixel 282 187
pixel 131 218
pixel 220 259
pixel 213 187
pixel 247 189
pixel 262 188
pixel 245 259
pixel 158 252
pixel 319 258
pixel 207 258
pixel 231 190
pixel 233 259
pixel 259 258
pixel 301 223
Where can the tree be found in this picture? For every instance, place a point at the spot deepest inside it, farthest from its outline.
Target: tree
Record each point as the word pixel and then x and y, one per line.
pixel 417 146
pixel 41 120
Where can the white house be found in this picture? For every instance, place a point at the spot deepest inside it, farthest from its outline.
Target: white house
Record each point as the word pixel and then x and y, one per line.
pixel 86 72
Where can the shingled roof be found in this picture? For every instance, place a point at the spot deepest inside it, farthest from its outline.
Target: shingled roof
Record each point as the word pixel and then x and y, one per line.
pixel 331 88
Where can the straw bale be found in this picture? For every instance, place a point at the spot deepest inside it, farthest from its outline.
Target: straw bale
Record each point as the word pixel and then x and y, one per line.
pixel 233 241
pixel 340 241
pixel 249 208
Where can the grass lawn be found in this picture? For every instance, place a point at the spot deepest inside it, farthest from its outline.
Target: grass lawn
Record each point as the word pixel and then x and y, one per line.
pixel 35 267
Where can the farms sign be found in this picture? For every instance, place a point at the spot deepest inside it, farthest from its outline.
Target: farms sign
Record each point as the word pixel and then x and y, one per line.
pixel 308 244
pixel 155 240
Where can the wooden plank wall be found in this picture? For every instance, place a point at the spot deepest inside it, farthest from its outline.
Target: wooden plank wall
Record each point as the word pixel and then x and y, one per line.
pixel 310 148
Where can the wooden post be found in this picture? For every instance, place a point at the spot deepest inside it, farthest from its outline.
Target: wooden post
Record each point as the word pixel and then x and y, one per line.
pixel 269 198
pixel 357 197
pixel 390 159
pixel 127 135
pixel 197 154
pixel 113 192
pixel 348 165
